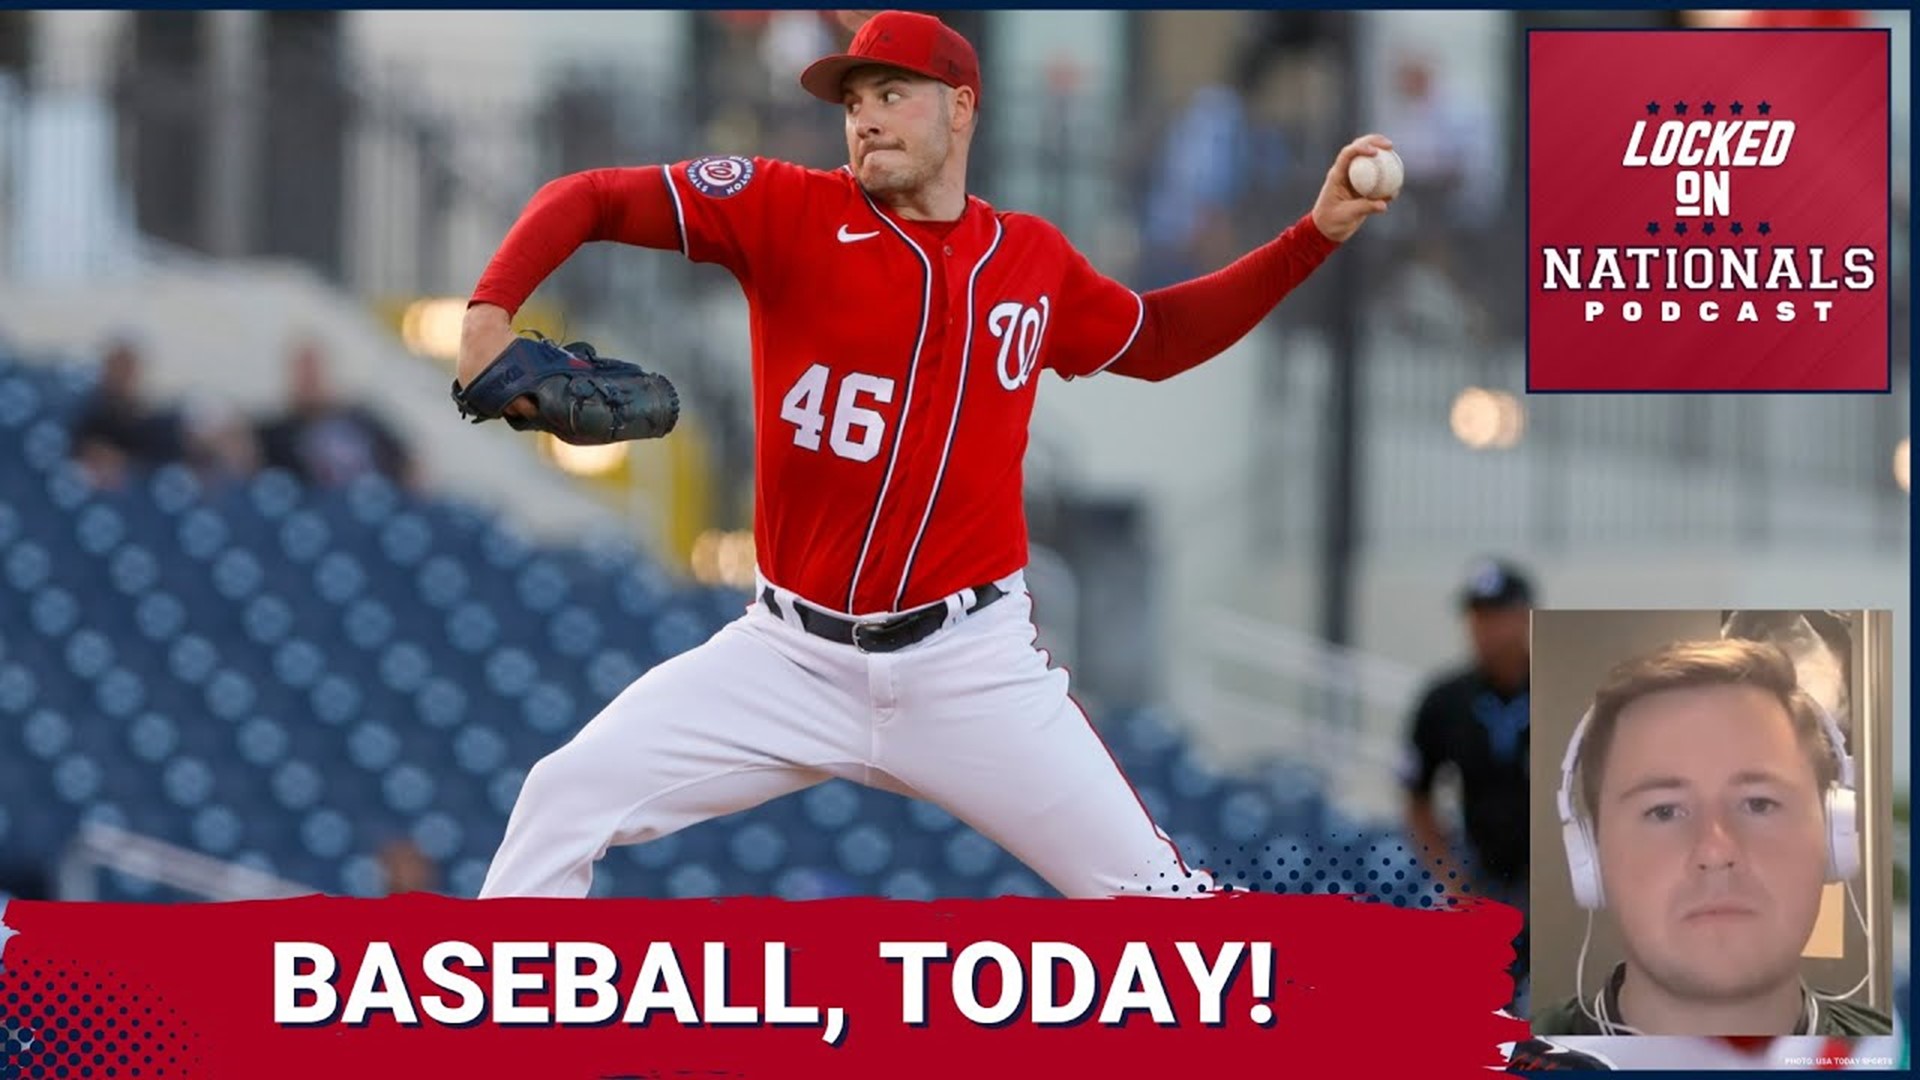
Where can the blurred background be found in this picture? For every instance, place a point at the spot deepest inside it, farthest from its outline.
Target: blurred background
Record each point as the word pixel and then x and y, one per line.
pixel 273 618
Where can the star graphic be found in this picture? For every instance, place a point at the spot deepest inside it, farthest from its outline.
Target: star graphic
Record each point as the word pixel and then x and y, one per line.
pixel 1736 108
pixel 1765 228
pixel 1653 228
pixel 1707 228
pixel 1737 228
pixel 1765 108
pixel 1707 108
pixel 1653 108
pixel 1680 108
pixel 1680 228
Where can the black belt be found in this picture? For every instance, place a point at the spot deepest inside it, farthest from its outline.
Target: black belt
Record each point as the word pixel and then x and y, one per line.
pixel 880 637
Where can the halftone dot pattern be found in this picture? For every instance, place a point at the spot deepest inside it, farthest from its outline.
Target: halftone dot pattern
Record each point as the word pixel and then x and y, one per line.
pixel 1374 866
pixel 57 1023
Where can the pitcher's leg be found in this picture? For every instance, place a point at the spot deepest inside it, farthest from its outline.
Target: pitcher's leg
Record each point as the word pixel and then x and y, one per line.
pixel 1050 794
pixel 721 728
pixel 990 734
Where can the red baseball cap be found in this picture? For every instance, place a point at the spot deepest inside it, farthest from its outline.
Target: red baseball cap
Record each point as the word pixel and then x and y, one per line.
pixel 907 40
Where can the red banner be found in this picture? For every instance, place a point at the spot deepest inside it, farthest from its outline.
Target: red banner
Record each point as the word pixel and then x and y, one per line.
pixel 426 986
pixel 1708 210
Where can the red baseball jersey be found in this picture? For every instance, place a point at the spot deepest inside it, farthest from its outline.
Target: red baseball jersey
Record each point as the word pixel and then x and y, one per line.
pixel 894 366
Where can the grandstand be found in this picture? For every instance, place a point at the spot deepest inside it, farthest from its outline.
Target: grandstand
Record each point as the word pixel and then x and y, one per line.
pixel 288 680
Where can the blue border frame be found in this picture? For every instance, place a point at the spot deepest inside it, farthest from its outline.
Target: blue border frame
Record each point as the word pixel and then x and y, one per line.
pixel 1526 189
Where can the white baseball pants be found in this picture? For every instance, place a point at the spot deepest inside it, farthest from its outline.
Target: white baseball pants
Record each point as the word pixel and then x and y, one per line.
pixel 972 719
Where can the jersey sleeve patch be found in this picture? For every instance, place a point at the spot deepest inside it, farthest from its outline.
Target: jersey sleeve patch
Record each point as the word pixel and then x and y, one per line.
pixel 720 177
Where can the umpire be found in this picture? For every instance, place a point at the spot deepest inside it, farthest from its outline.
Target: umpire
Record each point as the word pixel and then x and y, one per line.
pixel 1474 718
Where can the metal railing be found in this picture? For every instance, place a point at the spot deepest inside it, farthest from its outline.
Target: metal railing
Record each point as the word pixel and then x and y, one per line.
pixel 1270 692
pixel 100 847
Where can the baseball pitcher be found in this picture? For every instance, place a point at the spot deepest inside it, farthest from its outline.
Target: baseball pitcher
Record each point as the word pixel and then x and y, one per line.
pixel 899 327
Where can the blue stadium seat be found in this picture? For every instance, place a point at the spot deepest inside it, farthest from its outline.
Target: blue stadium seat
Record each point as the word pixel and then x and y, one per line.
pixel 757 847
pixel 928 817
pixel 367 623
pixel 466 877
pixel 1245 818
pixel 46 734
pixel 237 575
pixel 832 805
pixel 53 612
pixel 326 833
pixel 267 620
pixel 28 566
pixel 188 782
pixel 970 856
pixel 658 856
pixel 864 850
pixel 274 493
pixel 335 699
pixel 440 836
pixel 406 539
pixel 44 446
pixel 217 830
pixel 151 738
pixel 339 577
pixel 133 570
pixel 262 742
pixel 610 672
pixel 479 750
pixel 20 401
pixel 298 785
pixel 159 616
pixel 472 628
pixel 99 528
pixel 812 883
pixel 304 536
pixel 574 632
pixel 408 790
pixel 202 534
pixel 372 499
pixel 76 779
pixel 66 484
pixel 909 885
pixel 442 581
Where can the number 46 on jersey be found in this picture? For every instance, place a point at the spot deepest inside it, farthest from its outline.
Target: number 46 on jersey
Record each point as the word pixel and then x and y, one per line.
pixel 857 429
pixel 1019 327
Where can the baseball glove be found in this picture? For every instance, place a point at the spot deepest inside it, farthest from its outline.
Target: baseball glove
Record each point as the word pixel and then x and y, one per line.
pixel 579 396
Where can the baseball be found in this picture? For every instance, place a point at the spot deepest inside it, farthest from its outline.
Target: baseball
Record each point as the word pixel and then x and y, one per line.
pixel 1377 177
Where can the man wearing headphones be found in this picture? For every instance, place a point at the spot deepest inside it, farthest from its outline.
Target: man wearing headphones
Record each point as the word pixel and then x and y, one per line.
pixel 1705 801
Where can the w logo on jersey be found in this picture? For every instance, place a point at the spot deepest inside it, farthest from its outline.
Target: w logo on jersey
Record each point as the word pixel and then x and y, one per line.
pixel 1020 329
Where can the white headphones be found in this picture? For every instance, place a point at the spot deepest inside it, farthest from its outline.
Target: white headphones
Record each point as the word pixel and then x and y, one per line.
pixel 1583 858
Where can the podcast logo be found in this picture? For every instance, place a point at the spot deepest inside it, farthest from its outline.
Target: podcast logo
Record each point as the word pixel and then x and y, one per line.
pixel 1708 210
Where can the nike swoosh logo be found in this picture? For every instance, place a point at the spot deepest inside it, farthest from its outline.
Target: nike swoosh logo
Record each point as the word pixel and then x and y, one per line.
pixel 855 237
